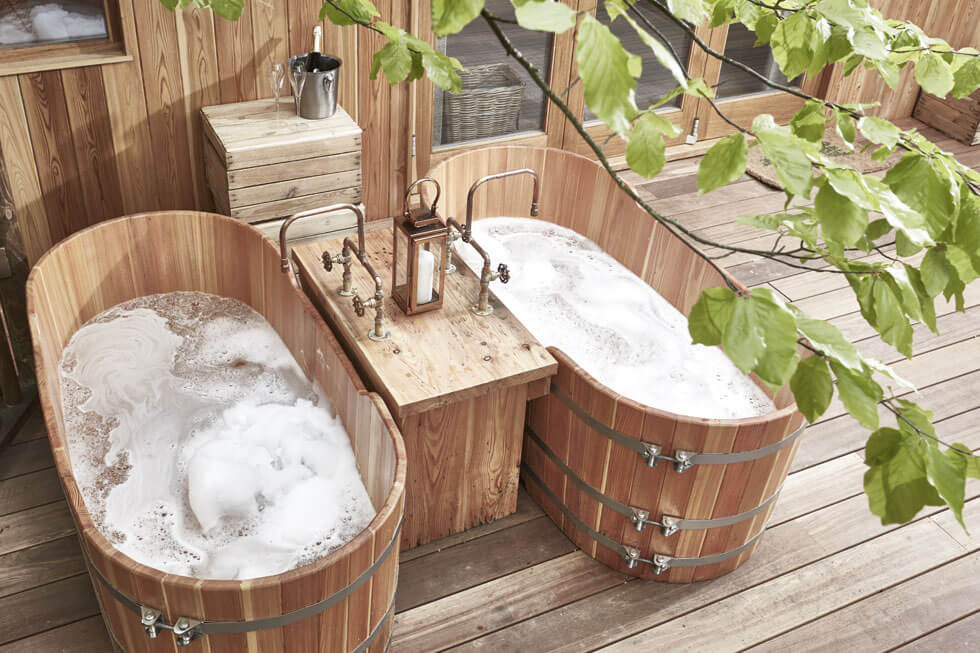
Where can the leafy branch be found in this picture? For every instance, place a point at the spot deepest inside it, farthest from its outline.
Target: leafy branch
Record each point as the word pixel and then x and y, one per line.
pixel 925 206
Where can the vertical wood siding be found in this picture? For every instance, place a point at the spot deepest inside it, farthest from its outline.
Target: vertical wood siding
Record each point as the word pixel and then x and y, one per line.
pixel 86 144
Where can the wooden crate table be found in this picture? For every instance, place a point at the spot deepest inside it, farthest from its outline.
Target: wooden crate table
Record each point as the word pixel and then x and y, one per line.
pixel 259 169
pixel 457 384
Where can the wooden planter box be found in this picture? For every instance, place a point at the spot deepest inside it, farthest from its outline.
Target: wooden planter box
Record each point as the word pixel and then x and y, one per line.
pixel 959 119
pixel 259 169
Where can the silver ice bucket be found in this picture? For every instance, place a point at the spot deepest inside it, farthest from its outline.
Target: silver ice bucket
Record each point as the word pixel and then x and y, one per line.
pixel 315 94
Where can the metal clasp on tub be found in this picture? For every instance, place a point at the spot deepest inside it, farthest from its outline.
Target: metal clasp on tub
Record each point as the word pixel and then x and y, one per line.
pixel 186 631
pixel 631 556
pixel 150 620
pixel 660 563
pixel 669 525
pixel 683 460
pixel 639 518
pixel 652 454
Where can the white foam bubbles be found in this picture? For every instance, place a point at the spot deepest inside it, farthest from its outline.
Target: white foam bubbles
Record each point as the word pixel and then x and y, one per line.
pixel 199 446
pixel 573 296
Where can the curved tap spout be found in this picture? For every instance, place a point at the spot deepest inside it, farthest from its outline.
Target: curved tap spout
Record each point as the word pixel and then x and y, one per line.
pixel 335 208
pixel 468 231
pixel 377 302
pixel 483 306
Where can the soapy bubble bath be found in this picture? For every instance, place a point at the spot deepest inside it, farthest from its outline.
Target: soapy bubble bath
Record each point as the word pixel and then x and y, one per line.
pixel 573 296
pixel 199 446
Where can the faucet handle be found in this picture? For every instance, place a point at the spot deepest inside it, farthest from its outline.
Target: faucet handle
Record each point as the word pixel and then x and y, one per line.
pixel 358 306
pixel 327 261
pixel 503 273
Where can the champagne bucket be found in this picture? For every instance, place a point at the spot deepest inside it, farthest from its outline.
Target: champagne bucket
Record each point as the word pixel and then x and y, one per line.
pixel 315 94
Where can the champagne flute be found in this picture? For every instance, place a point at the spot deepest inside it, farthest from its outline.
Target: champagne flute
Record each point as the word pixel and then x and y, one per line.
pixel 277 76
pixel 297 78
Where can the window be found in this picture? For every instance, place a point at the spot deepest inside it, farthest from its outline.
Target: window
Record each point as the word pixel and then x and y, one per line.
pixel 40 35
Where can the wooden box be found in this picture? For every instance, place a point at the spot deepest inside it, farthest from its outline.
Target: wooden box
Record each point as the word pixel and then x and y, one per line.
pixel 262 169
pixel 959 119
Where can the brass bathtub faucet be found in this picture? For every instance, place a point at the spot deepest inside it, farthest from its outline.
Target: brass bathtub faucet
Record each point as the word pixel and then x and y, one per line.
pixel 483 305
pixel 468 231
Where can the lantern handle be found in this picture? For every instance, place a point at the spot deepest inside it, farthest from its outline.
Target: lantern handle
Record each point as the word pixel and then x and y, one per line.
pixel 408 193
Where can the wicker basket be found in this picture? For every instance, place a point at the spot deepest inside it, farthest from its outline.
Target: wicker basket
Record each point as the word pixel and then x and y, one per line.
pixel 489 104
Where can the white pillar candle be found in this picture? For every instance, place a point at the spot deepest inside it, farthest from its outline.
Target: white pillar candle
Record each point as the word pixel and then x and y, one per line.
pixel 427 269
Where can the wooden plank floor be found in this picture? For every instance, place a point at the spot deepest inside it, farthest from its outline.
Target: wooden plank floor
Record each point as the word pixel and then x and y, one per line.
pixel 826 575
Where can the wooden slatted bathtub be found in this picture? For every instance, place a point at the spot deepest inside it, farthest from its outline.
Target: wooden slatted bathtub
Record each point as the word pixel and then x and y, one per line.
pixel 341 602
pixel 652 493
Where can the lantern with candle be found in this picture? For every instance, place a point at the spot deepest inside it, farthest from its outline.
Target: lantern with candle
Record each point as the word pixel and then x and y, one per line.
pixel 420 250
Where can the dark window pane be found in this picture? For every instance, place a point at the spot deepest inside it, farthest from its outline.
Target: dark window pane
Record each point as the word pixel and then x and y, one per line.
pixel 36 22
pixel 656 80
pixel 498 96
pixel 734 82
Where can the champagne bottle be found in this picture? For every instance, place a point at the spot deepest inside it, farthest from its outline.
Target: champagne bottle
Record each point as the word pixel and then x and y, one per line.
pixel 313 58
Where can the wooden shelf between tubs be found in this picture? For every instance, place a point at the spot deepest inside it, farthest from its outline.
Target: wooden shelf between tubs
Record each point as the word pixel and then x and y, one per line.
pixel 457 384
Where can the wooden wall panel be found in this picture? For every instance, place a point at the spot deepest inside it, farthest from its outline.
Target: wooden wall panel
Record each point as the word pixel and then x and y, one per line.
pixel 957 21
pixel 88 117
pixel 54 153
pixel 199 74
pixel 237 57
pixel 18 157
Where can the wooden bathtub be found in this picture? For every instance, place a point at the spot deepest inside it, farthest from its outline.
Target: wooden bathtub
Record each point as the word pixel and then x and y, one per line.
pixel 588 451
pixel 138 255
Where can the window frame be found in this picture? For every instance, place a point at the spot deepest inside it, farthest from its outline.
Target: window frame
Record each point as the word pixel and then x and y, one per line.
pixel 114 48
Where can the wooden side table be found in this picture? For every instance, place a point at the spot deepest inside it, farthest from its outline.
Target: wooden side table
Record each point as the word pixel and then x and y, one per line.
pixel 260 169
pixel 457 384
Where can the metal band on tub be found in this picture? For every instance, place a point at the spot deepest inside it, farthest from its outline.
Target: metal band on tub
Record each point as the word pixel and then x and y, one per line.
pixel 658 562
pixel 186 630
pixel 682 459
pixel 640 517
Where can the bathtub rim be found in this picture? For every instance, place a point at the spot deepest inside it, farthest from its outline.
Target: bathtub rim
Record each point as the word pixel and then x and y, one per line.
pixel 563 358
pixel 89 534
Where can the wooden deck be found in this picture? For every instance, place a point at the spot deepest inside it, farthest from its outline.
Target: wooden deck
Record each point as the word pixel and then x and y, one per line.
pixel 826 576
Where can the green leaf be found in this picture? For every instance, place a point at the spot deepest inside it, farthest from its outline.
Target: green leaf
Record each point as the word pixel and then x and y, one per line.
pixel 723 163
pixel 828 339
pixel 960 260
pixel 451 16
pixel 346 12
pixel 604 68
pixel 662 124
pixel 859 393
pixel 946 472
pixel 880 131
pixel 396 61
pixel 787 153
pixel 936 271
pixel 229 9
pixel 780 356
pixel 692 11
pixel 900 281
pixel 809 122
pixel 891 321
pixel 544 15
pixel 896 482
pixel 926 303
pixel 710 316
pixel 852 185
pixel 764 27
pixel 934 75
pixel 646 152
pixel 967 78
pixel 926 188
pixel 840 219
pixel 793 44
pixel 812 387
pixel 845 127
pixel 744 337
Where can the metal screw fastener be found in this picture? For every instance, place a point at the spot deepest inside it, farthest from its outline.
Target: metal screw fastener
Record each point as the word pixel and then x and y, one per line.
pixel 639 518
pixel 668 525
pixel 185 630
pixel 631 556
pixel 660 563
pixel 150 619
pixel 683 460
pixel 652 454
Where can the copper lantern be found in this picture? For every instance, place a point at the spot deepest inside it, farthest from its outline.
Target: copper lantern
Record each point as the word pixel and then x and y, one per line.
pixel 420 250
